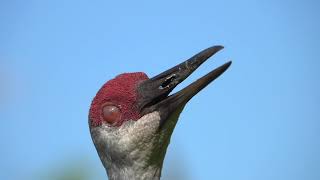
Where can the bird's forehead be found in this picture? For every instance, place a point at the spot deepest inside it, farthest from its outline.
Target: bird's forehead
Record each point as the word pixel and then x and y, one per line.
pixel 123 83
pixel 121 89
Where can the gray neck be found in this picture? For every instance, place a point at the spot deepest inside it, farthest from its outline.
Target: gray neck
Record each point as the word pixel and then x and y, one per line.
pixel 139 165
pixel 134 173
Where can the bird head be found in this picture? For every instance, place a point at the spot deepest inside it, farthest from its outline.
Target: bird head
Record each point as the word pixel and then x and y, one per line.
pixel 132 117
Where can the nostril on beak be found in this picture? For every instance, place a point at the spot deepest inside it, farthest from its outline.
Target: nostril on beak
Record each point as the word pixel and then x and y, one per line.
pixel 168 81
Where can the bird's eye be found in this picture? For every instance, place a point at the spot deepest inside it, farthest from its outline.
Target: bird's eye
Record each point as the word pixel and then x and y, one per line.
pixel 111 114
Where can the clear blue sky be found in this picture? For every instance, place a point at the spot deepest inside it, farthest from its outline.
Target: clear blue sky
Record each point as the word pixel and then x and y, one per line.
pixel 260 120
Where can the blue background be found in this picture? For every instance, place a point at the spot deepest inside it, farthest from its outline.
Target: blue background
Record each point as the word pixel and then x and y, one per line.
pixel 259 120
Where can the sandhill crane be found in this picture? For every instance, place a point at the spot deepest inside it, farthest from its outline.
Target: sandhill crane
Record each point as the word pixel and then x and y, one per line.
pixel 132 117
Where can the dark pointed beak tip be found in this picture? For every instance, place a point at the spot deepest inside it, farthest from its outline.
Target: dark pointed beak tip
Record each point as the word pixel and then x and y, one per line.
pixel 218 47
pixel 207 53
pixel 228 64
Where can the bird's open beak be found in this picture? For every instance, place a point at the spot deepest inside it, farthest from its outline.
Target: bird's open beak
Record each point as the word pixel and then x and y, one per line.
pixel 154 92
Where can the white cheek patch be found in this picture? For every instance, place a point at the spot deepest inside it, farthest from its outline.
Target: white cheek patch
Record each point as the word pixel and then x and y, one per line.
pixel 132 137
pixel 140 134
pixel 142 128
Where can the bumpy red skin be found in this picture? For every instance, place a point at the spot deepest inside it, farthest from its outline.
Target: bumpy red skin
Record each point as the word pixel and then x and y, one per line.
pixel 120 91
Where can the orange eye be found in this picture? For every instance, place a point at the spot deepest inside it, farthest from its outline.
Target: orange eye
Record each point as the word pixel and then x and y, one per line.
pixel 111 114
